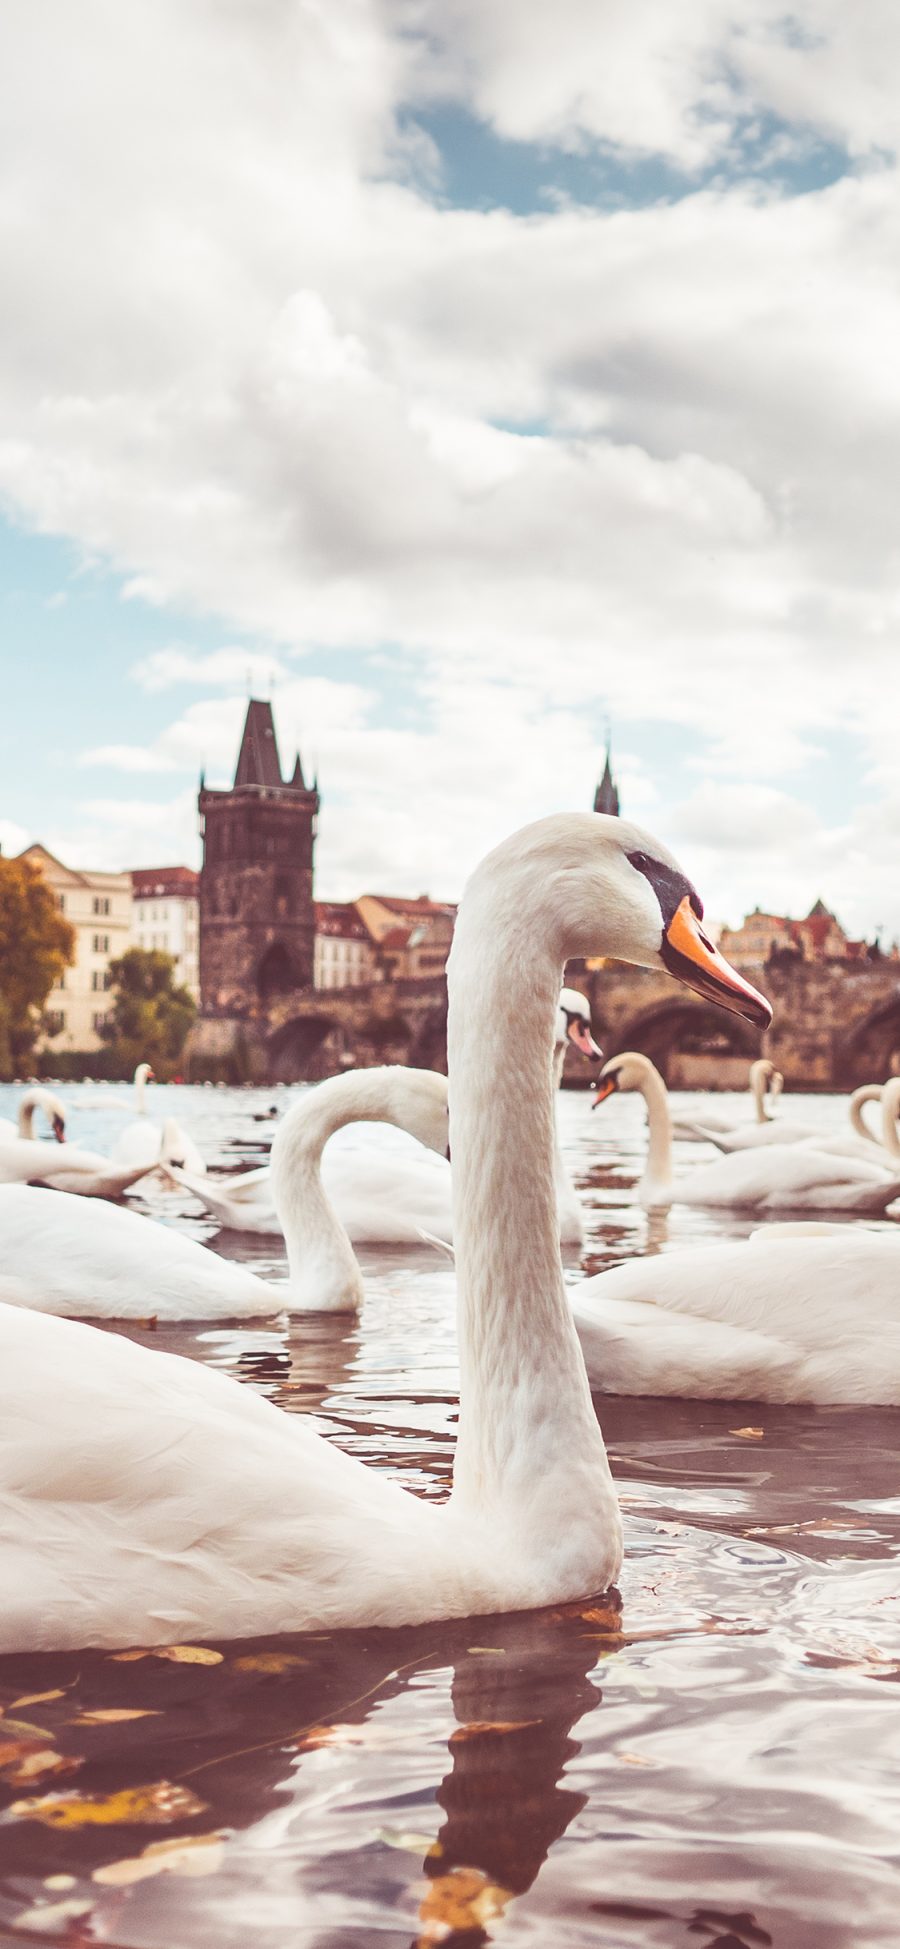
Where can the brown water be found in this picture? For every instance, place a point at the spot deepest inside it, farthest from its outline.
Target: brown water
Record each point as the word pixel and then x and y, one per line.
pixel 708 1759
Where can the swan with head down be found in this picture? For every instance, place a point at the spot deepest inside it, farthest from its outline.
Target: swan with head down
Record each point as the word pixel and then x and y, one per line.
pixel 764 1082
pixel 163 1500
pixel 780 1177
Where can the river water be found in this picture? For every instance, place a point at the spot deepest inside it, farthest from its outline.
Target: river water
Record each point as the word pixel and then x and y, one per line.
pixel 709 1757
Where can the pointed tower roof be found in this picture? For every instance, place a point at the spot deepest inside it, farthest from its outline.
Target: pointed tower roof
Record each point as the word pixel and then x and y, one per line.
pixel 606 797
pixel 297 777
pixel 258 761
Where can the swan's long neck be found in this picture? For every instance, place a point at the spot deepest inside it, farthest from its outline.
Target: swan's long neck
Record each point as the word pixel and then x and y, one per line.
pixel 869 1093
pixel 759 1077
pixel 656 1183
pixel 566 1196
pixel 27 1107
pixel 529 1446
pixel 890 1110
pixel 323 1272
pixel 140 1090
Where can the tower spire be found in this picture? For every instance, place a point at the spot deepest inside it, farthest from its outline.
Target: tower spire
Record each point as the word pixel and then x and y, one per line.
pixel 606 797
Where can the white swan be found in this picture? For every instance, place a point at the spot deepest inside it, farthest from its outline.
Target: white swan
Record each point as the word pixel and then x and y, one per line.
pixel 784 1177
pixel 859 1142
pixel 695 1126
pixel 65 1167
pixel 157 1500
pixel 59 1257
pixel 35 1099
pixel 140 1141
pixel 385 1197
pixel 783 1316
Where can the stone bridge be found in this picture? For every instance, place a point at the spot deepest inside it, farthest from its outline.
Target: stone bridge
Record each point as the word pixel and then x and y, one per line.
pixel 836 1024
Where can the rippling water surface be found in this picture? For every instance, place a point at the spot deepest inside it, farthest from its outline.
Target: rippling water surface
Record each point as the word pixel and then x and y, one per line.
pixel 708 1758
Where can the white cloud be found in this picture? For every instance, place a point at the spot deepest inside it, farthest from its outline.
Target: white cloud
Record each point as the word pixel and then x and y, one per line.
pixel 271 384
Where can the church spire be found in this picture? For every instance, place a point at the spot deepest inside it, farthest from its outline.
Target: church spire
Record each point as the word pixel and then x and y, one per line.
pixel 606 797
pixel 258 761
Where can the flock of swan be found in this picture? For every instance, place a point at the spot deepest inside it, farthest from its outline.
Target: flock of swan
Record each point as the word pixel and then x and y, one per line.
pixel 145 1499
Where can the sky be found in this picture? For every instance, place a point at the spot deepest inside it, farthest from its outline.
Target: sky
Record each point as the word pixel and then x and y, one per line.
pixel 466 378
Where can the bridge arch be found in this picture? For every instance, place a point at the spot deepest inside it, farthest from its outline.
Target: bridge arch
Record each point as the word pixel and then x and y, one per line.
pixel 871 1051
pixel 689 1042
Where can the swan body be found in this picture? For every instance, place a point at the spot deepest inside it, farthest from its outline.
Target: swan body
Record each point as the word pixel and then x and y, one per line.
pixel 803 1314
pixel 785 1177
pixel 65 1167
pixel 140 1141
pixel 696 1126
pixel 386 1198
pixel 161 1501
pixel 35 1099
pixel 859 1142
pixel 58 1256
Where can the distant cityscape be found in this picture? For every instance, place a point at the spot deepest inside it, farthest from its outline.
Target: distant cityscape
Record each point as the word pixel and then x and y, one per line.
pixel 247 928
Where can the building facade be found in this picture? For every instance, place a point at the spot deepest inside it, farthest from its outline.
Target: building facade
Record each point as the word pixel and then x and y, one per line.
pixel 412 938
pixel 98 906
pixel 166 916
pixel 345 954
pixel 763 936
pixel 257 916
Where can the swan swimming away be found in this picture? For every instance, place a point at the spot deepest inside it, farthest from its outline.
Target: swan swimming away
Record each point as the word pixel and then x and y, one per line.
pixel 783 1177
pixel 695 1126
pixel 59 1256
pixel 140 1141
pixel 858 1142
pixel 383 1197
pixel 35 1099
pixel 795 1313
pixel 159 1500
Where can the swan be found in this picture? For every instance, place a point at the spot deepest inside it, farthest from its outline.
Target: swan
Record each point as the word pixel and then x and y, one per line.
pixel 782 1316
pixel 385 1197
pixel 65 1167
pixel 161 1500
pixel 59 1257
pixel 694 1126
pixel 139 1142
pixel 35 1099
pixel 860 1144
pixel 786 1177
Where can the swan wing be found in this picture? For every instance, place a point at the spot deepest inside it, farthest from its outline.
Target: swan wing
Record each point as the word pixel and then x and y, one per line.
pixel 61 1255
pixel 147 1500
pixel 787 1318
pixel 233 1214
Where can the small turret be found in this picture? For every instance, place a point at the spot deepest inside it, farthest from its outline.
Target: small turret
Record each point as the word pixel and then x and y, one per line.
pixel 606 797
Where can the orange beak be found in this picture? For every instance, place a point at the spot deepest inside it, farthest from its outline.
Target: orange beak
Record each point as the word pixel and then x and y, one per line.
pixel 606 1087
pixel 690 956
pixel 582 1039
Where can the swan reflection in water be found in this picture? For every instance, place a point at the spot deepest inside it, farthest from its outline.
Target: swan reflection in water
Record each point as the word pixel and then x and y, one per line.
pixel 267 1753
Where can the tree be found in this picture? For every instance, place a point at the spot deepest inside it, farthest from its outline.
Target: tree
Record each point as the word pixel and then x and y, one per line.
pixel 36 944
pixel 150 1016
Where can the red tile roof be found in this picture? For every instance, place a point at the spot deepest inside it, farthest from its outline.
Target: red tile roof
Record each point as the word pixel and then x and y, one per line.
pixel 158 882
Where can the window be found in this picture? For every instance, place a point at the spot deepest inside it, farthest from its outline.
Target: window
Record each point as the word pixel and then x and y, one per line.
pixel 54 1021
pixel 101 904
pixel 101 943
pixel 99 1022
pixel 61 902
pixel 101 979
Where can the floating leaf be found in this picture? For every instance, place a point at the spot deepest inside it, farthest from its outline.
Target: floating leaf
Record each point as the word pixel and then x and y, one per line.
pixel 269 1661
pixel 177 1654
pixel 112 1715
pixel 463 1901
pixel 36 1698
pixel 410 1842
pixel 50 1915
pixel 486 1651
pixel 23 1729
pixel 59 1881
pixel 193 1854
pixel 477 1727
pixel 748 1434
pixel 151 1806
pixel 190 1654
pixel 35 1764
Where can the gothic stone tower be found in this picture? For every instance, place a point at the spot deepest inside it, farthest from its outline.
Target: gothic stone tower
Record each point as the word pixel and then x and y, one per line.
pixel 257 922
pixel 606 797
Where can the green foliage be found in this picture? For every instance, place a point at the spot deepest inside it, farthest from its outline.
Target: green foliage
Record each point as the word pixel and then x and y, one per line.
pixel 150 1017
pixel 36 944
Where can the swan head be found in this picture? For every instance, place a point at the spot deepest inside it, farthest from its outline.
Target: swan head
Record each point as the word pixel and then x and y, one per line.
pixel 625 1072
pixel 416 1100
pixel 573 1024
pixel 144 1073
pixel 597 885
